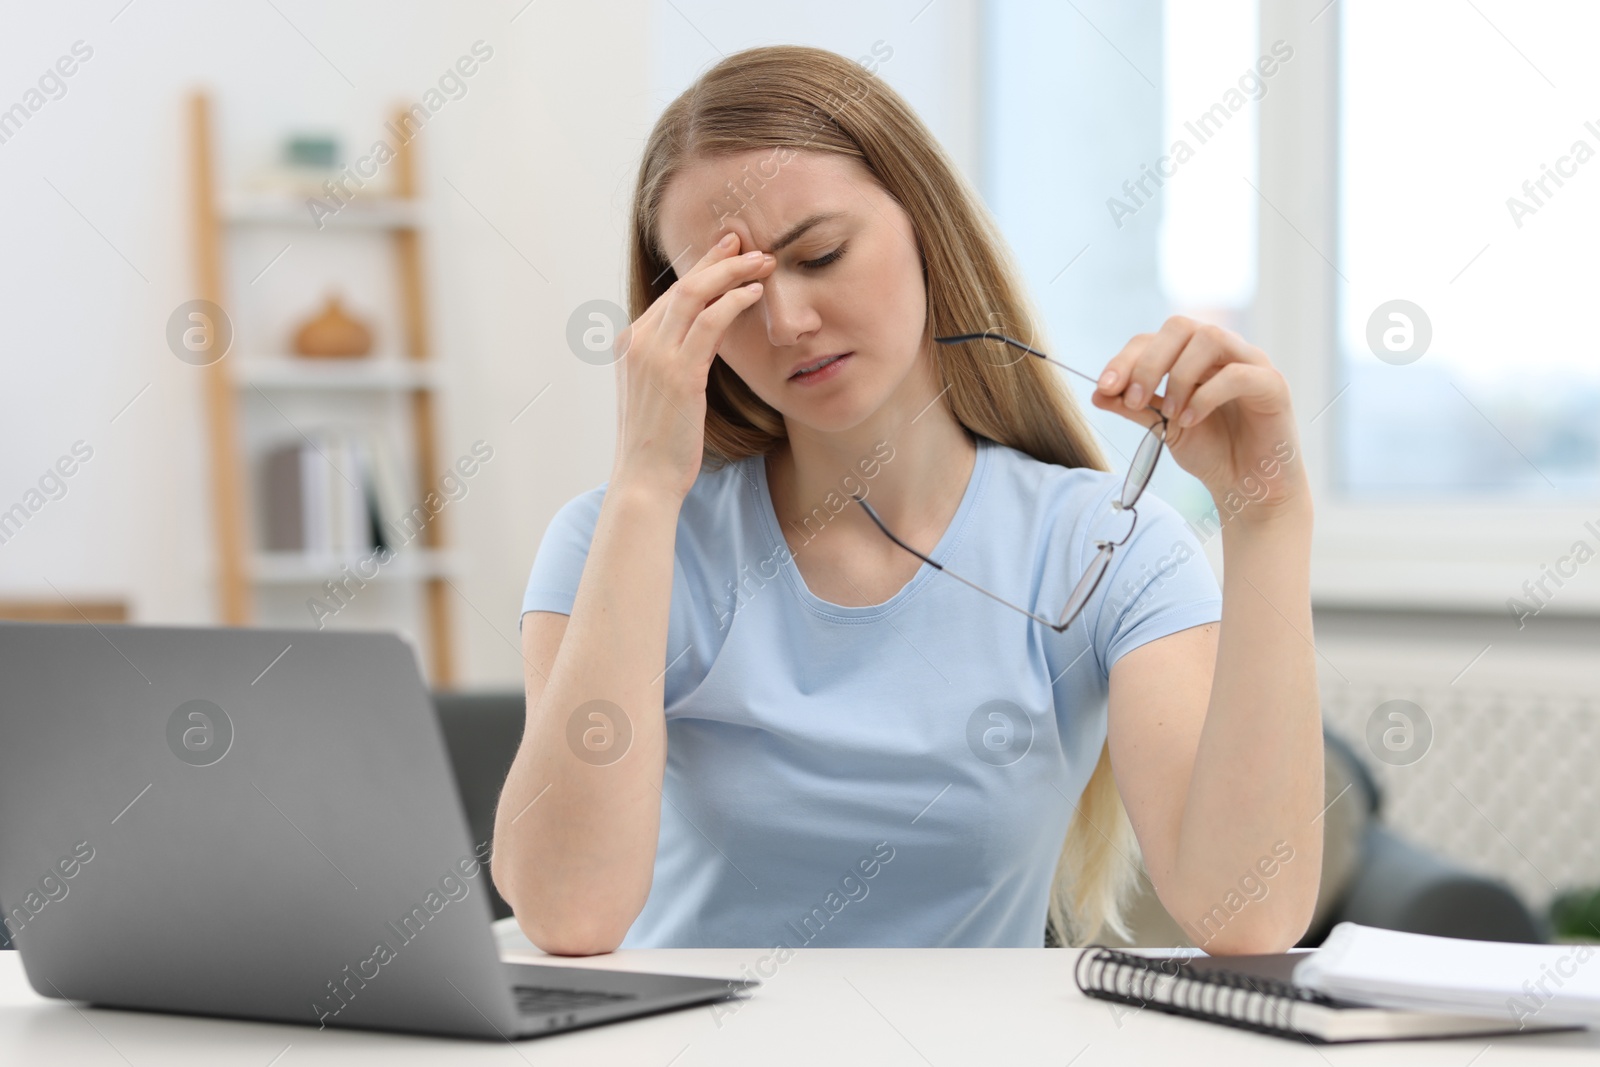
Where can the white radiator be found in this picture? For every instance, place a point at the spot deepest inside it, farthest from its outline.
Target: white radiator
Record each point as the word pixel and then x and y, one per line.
pixel 1510 784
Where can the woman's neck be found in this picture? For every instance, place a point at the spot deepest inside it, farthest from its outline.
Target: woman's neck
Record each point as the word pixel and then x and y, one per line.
pixel 914 475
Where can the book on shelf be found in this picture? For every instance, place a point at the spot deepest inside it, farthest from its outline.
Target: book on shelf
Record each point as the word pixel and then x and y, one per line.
pixel 1362 984
pixel 333 493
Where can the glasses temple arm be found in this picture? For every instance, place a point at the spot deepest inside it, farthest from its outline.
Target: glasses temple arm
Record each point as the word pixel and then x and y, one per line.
pixel 993 336
pixel 940 567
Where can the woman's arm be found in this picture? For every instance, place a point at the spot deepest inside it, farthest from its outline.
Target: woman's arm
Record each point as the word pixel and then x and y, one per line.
pixel 579 817
pixel 1216 743
pixel 576 826
pixel 1216 731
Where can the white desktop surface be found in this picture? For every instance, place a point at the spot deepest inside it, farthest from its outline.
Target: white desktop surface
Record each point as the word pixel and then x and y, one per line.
pixel 884 1007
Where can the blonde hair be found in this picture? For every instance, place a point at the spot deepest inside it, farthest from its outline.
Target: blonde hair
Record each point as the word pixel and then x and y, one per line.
pixel 796 98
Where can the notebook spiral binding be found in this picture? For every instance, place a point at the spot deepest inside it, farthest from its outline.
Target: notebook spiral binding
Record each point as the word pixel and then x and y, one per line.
pixel 1129 978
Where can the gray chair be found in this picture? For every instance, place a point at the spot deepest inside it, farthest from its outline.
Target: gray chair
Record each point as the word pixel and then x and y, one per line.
pixel 1370 875
pixel 482 732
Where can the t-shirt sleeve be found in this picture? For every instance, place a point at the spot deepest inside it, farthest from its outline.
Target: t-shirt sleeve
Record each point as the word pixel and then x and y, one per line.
pixel 1158 582
pixel 558 566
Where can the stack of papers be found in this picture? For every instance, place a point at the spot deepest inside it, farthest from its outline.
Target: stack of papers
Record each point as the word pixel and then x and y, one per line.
pixel 1522 983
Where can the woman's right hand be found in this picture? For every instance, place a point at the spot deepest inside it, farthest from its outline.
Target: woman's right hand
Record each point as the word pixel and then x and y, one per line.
pixel 664 360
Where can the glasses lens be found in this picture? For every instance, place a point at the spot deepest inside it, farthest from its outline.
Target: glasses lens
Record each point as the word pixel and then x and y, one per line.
pixel 1143 466
pixel 1087 584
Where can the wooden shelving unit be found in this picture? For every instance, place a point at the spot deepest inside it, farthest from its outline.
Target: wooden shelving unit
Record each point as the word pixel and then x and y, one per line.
pixel 397 219
pixel 292 372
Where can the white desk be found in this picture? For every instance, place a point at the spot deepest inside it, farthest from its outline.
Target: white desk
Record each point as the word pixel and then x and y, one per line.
pixel 886 1007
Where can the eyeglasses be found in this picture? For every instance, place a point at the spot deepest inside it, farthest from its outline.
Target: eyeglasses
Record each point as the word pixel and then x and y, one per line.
pixel 1139 472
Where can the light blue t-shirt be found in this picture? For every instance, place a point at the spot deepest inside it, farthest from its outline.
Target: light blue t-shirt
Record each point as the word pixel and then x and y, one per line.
pixel 895 775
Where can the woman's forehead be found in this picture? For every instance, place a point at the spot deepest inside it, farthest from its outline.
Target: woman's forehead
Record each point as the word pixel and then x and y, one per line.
pixel 760 195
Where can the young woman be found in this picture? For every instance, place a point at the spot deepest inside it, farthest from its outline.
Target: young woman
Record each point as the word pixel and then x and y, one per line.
pixel 757 717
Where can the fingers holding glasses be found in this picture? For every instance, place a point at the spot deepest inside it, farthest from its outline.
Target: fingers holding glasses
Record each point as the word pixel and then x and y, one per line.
pixel 1206 350
pixel 1186 352
pixel 1126 387
pixel 1114 379
pixel 1261 388
pixel 1209 371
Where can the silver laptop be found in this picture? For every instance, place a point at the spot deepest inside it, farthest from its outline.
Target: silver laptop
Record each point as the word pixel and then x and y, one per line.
pixel 261 824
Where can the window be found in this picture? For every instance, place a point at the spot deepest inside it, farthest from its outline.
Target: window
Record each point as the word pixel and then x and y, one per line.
pixel 1468 204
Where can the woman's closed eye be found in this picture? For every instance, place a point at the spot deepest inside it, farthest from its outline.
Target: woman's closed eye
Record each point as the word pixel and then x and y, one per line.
pixel 823 261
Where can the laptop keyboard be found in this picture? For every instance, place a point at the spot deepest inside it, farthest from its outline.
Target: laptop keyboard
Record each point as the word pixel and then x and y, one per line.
pixel 541 1000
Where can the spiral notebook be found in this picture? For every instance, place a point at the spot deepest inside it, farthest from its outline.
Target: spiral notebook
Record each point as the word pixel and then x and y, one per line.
pixel 1259 993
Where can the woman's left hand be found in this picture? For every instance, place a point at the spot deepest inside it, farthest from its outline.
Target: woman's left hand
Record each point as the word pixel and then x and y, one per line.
pixel 1241 433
